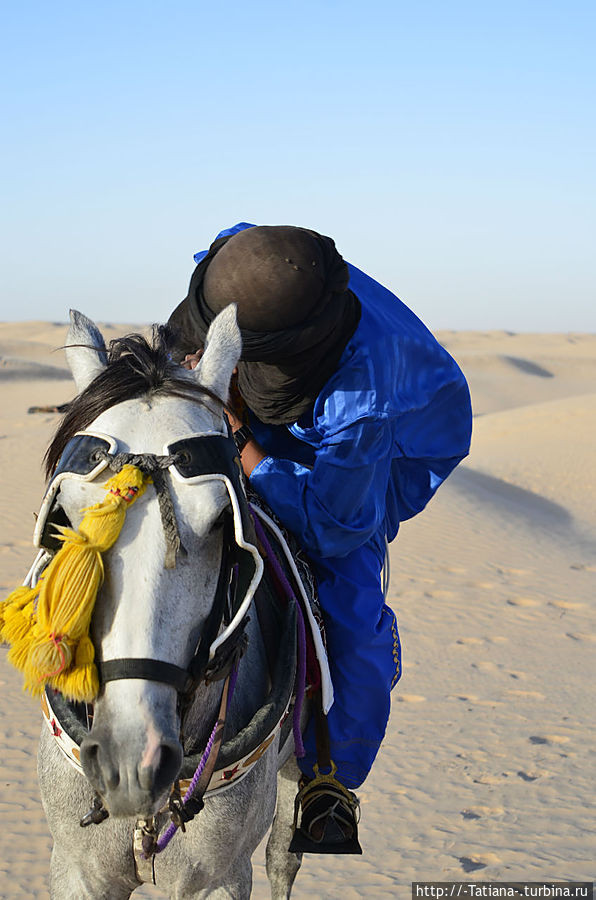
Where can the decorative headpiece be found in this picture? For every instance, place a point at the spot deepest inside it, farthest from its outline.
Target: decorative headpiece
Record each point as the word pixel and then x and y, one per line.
pixel 48 625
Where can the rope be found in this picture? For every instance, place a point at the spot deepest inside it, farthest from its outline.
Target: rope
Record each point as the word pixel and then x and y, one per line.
pixel 153 465
pixel 166 837
pixel 299 750
pixel 163 841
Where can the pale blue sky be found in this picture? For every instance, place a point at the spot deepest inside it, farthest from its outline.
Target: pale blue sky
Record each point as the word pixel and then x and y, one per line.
pixel 447 147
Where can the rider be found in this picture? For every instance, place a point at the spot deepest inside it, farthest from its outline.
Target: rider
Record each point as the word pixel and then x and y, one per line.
pixel 356 416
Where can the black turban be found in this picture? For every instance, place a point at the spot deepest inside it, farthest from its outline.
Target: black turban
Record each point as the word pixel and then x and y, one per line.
pixel 295 313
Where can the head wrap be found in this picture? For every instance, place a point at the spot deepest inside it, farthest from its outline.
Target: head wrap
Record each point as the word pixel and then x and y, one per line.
pixel 295 313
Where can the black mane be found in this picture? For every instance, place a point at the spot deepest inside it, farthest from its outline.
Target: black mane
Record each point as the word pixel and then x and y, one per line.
pixel 136 368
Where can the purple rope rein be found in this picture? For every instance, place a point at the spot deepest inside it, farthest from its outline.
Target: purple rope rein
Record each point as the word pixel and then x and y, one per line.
pixel 301 655
pixel 166 837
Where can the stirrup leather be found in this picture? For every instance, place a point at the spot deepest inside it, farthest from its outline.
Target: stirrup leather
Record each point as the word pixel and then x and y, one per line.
pixel 330 816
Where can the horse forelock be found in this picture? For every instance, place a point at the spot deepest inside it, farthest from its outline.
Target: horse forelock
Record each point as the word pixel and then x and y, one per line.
pixel 136 367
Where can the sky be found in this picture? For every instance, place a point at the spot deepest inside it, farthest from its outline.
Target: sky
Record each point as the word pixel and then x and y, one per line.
pixel 448 148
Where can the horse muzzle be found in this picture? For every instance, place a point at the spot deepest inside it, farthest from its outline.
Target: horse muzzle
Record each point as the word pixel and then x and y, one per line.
pixel 132 779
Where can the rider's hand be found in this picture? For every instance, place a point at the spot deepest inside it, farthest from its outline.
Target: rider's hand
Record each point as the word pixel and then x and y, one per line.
pixel 191 360
pixel 235 422
pixel 252 454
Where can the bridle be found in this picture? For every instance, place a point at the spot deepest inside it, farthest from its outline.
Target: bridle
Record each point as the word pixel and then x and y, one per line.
pixel 191 460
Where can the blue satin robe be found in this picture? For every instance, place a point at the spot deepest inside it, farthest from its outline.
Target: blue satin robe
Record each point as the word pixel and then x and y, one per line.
pixel 386 430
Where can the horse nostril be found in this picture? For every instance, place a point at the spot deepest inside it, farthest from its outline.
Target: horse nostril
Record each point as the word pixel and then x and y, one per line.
pixel 90 755
pixel 98 767
pixel 167 762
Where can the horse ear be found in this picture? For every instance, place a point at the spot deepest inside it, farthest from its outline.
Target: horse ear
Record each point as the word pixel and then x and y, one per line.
pixel 223 346
pixel 85 350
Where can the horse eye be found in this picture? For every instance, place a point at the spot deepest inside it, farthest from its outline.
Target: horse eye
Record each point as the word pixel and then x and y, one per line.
pixel 96 456
pixel 183 458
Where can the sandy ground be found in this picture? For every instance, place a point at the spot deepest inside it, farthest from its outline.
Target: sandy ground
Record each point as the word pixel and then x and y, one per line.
pixel 489 761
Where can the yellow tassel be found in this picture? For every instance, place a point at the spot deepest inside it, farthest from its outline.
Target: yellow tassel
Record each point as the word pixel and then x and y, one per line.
pixel 49 656
pixel 82 680
pixel 51 643
pixel 19 653
pixel 16 613
pixel 17 599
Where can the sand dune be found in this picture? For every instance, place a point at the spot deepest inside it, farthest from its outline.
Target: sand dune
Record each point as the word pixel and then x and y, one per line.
pixel 18 369
pixel 506 370
pixel 488 767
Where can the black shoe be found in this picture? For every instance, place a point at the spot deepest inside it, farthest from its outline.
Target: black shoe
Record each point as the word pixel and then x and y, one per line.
pixel 330 815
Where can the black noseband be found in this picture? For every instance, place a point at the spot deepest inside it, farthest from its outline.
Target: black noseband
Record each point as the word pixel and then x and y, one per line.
pixel 149 669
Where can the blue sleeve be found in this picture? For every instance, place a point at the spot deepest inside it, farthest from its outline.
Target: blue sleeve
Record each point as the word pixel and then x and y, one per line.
pixel 340 503
pixel 376 471
pixel 430 442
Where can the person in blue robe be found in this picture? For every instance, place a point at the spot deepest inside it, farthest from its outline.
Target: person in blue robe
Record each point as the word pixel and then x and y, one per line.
pixel 356 415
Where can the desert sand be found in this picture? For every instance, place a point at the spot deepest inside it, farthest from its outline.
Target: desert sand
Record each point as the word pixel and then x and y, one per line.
pixel 488 766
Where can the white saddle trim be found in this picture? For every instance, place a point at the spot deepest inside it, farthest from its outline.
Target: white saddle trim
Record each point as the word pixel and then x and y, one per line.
pixel 220 781
pixel 326 683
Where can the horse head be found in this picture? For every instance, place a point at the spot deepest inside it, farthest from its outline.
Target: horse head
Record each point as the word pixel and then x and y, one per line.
pixel 137 398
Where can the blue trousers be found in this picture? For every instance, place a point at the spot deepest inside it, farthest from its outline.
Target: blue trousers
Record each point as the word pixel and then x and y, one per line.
pixel 365 660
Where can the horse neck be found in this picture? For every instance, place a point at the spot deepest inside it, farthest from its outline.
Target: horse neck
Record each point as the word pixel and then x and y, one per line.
pixel 249 694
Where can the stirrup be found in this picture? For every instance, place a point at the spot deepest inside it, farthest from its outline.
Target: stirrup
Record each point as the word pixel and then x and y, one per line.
pixel 330 816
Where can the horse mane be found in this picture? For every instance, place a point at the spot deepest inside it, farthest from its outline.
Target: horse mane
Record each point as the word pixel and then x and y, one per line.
pixel 136 368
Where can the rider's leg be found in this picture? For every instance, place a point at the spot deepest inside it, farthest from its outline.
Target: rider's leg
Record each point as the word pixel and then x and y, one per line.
pixel 365 660
pixel 364 654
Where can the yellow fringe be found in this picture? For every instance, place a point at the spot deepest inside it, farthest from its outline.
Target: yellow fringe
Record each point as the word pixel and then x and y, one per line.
pixel 16 613
pixel 48 625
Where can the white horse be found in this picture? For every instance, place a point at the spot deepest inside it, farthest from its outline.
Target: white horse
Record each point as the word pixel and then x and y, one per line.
pixel 133 752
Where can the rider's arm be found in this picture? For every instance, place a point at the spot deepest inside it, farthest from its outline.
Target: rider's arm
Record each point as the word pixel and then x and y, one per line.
pixel 376 470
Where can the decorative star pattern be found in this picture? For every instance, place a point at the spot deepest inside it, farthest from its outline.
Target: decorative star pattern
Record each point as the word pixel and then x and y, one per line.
pixel 56 731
